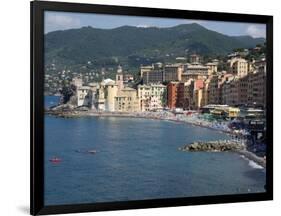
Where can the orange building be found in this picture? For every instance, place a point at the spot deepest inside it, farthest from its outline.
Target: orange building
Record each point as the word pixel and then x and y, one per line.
pixel 185 95
pixel 198 84
pixel 176 94
pixel 172 92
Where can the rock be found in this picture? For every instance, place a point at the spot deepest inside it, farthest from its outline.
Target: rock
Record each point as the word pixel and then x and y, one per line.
pixel 220 145
pixel 63 107
pixel 82 108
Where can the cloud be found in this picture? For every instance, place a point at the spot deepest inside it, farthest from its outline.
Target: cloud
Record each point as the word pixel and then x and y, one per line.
pixel 200 22
pixel 61 22
pixel 256 31
pixel 144 26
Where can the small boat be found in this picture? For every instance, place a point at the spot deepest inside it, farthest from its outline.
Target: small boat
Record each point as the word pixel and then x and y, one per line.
pixel 87 151
pixel 92 151
pixel 55 160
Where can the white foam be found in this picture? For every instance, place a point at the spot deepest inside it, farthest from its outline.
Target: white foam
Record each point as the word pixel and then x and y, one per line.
pixel 254 165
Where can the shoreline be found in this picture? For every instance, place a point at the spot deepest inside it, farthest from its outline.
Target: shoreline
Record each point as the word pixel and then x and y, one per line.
pixel 79 114
pixel 149 115
pixel 252 157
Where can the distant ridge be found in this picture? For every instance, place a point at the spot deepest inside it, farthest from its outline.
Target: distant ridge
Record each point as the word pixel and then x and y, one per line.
pixel 74 46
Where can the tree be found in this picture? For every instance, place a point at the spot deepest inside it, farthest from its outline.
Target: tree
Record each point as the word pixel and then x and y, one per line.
pixel 67 92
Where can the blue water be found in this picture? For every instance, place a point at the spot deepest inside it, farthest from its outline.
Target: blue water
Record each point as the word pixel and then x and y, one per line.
pixel 137 159
pixel 51 101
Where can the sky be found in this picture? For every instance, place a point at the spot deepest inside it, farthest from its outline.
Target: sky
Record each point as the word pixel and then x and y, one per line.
pixel 66 20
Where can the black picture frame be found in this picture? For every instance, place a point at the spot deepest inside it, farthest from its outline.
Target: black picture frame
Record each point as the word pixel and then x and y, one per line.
pixel 37 107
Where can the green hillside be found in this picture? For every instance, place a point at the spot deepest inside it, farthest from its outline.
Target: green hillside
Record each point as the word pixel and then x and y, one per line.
pixel 131 44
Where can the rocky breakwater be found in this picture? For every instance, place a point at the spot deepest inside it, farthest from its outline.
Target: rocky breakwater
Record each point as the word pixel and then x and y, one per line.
pixel 214 146
pixel 67 111
pixel 222 146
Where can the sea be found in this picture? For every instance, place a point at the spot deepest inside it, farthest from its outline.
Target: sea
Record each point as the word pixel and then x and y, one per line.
pixel 137 159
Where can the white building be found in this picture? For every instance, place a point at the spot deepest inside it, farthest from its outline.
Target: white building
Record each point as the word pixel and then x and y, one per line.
pixel 84 96
pixel 151 96
pixel 94 88
pixel 119 78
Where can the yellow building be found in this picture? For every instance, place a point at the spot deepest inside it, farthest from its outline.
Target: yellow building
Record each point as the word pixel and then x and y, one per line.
pixel 238 66
pixel 127 100
pixel 225 111
pixel 111 93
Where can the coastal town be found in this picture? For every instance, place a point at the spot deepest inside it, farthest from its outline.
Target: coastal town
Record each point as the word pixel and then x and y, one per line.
pixel 231 100
pixel 187 86
pixel 177 108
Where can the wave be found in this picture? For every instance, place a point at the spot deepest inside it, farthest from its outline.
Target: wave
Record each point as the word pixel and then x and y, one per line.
pixel 254 165
pixel 251 163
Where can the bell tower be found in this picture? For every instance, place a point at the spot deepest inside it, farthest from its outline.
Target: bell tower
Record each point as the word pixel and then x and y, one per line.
pixel 119 78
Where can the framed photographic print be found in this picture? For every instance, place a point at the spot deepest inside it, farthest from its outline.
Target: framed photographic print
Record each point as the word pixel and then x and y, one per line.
pixel 139 107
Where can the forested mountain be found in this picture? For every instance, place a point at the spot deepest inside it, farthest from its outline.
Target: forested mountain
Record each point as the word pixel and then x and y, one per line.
pixel 77 46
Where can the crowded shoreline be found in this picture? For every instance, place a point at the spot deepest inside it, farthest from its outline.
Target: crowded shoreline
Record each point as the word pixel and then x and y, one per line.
pixel 166 116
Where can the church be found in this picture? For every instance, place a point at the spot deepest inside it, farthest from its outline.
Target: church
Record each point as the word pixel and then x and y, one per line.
pixel 109 95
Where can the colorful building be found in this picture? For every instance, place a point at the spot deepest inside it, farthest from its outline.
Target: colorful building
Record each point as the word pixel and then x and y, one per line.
pixel 151 96
pixel 238 66
pixel 257 84
pixel 198 94
pixel 127 101
pixel 172 94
